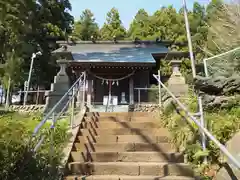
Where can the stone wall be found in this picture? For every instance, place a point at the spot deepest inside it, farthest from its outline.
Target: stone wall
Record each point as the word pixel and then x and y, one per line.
pixel 219 92
pixel 27 108
pixel 229 171
pixel 146 107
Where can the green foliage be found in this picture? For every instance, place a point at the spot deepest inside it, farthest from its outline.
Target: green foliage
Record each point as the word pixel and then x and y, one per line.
pixel 176 122
pixel 16 162
pixel 165 68
pixel 164 24
pixel 113 26
pixel 12 69
pixel 26 27
pixel 86 27
pixel 223 124
pixel 140 26
pixel 224 36
pixel 153 94
pixel 199 29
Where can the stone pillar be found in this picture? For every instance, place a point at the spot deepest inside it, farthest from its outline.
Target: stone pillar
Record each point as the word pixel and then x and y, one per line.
pixel 59 87
pixel 131 91
pixel 176 82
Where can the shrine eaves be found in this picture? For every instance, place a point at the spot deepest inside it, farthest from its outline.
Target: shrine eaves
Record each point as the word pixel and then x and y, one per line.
pixel 122 52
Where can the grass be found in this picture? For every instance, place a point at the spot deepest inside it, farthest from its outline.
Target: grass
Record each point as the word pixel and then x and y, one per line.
pixel 16 159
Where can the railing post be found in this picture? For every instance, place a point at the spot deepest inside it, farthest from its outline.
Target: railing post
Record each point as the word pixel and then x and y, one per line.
pixel 205 67
pixel 202 121
pixel 131 91
pixel 84 89
pixel 51 151
pixel 79 91
pixel 139 97
pixel 72 110
pixel 159 90
pixel 37 98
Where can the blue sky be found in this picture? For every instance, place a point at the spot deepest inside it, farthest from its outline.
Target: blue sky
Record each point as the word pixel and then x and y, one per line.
pixel 127 8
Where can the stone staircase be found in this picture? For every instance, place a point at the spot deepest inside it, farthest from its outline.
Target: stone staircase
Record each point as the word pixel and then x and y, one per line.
pixel 125 146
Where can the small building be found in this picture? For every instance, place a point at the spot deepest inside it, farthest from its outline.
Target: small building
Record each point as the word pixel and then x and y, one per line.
pixel 113 69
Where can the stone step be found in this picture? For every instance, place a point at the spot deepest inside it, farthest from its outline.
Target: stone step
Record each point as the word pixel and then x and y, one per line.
pixel 120 119
pixel 124 131
pixel 126 157
pixel 119 114
pixel 131 168
pixel 108 139
pixel 111 125
pixel 116 177
pixel 124 147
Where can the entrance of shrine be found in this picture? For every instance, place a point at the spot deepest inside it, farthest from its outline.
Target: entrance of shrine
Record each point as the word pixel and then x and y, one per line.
pixel 112 89
pixel 112 85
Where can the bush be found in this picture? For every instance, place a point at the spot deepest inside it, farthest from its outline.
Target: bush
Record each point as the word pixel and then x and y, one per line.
pixel 153 94
pixel 223 124
pixel 16 159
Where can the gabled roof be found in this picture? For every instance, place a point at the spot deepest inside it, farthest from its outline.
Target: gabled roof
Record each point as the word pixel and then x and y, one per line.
pixel 112 52
pixel 131 54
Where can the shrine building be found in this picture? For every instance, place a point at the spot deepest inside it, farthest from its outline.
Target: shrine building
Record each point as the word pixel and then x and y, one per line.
pixel 113 69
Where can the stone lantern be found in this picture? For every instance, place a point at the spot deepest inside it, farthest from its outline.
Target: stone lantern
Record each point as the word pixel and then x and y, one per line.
pixel 176 82
pixel 61 82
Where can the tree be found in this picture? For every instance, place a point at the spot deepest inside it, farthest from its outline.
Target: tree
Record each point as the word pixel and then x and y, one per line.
pixel 86 27
pixel 224 35
pixel 139 28
pixel 14 25
pixel 213 8
pixel 223 26
pixel 12 73
pixel 113 26
pixel 199 29
pixel 168 24
pixel 50 20
pixel 26 25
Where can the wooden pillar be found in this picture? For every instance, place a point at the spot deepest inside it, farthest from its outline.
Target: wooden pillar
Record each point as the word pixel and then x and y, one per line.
pixel 131 91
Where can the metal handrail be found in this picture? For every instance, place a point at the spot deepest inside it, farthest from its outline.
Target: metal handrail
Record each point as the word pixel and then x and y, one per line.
pixel 56 106
pixel 145 88
pixel 139 90
pixel 202 128
pixel 80 82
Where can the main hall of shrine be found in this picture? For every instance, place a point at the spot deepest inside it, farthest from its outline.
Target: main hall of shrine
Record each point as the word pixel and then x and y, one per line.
pixel 115 68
